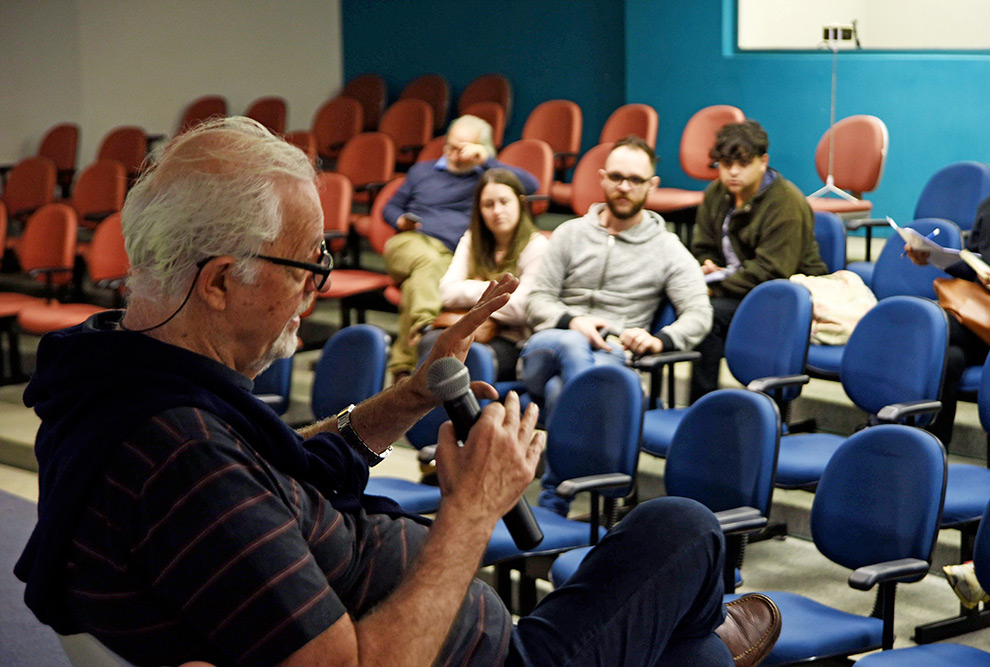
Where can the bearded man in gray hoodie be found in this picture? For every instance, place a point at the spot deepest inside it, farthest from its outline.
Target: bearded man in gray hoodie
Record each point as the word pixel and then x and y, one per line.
pixel 602 280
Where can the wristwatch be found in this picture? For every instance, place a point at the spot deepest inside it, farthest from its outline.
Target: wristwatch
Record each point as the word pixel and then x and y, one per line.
pixel 370 456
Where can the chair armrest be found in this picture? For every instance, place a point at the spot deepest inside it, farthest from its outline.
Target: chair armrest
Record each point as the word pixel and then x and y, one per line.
pixel 856 223
pixel 565 154
pixel 34 273
pixel 611 480
pixel 740 520
pixel 426 454
pixel 537 197
pixel 333 235
pixel 411 148
pixel 111 283
pixel 374 188
pixel 653 362
pixel 897 412
pixel 864 578
pixel 768 384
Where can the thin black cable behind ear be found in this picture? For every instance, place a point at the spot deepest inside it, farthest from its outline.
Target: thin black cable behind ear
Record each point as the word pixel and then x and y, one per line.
pixel 199 269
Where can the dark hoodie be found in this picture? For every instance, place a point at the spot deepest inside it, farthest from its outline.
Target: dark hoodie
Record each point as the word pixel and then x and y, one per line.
pixel 95 384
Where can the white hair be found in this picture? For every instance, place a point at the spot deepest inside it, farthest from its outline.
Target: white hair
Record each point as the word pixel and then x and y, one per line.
pixel 479 125
pixel 212 190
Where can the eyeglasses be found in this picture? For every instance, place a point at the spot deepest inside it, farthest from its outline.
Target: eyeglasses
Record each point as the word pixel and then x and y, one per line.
pixel 321 271
pixel 635 181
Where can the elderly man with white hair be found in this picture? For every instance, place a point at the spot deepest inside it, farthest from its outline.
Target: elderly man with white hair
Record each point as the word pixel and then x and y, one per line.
pixel 181 519
pixel 431 210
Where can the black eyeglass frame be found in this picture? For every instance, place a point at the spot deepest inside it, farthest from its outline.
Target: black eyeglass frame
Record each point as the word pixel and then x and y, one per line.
pixel 633 181
pixel 321 272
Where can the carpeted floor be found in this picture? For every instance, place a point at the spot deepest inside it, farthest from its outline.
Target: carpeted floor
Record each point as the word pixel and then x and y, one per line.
pixel 24 642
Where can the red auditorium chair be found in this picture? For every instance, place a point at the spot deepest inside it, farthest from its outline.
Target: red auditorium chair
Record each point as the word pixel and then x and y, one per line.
pixel 59 145
pixel 30 185
pixel 493 114
pixel 202 108
pixel 433 150
pixel 536 157
pixel 334 123
pixel 270 112
pixel 587 182
pixel 638 119
pixel 99 192
pixel 859 153
pixel 557 122
pixel 352 287
pixel 304 141
pixel 108 266
pixel 487 88
pixel 410 124
pixel 127 145
pixel 370 92
pixel 435 91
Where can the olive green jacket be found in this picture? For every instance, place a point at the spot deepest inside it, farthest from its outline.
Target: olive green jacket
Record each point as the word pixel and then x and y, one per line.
pixel 773 235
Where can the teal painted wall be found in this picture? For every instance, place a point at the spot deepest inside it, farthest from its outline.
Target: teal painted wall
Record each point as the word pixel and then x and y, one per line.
pixel 549 49
pixel 679 58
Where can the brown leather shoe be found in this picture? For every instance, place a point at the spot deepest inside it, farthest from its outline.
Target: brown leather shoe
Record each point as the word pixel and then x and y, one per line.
pixel 750 629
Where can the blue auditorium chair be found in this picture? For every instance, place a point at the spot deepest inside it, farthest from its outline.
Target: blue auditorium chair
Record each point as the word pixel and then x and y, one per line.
pixel 966 496
pixel 893 275
pixel 877 512
pixel 830 234
pixel 892 369
pixel 351 369
pixel 766 346
pixel 593 445
pixel 954 192
pixel 724 455
pixel 945 655
pixel 274 385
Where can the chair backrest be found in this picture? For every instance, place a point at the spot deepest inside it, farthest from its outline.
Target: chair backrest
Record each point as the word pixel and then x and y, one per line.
pixel 954 192
pixel 880 497
pixel 200 109
pixel 410 124
pixel 127 145
pixel 492 113
pixel 275 384
pixel 895 354
pixel 698 139
pixel 435 91
pixel 350 369
pixel 60 145
pixel 100 189
pixel 638 119
pixel 3 225
pixel 49 241
pixel 270 112
pixel 830 234
pixel 859 153
pixel 596 424
pixel 586 184
pixel 487 88
pixel 754 350
pixel 724 452
pixel 559 123
pixel 433 150
pixel 107 257
pixel 895 274
pixel 370 92
pixel 368 158
pixel 335 192
pixel 30 185
pixel 536 157
pixel 335 123
pixel 380 231
pixel 305 141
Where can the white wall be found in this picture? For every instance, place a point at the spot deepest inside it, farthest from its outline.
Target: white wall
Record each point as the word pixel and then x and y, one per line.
pixel 103 63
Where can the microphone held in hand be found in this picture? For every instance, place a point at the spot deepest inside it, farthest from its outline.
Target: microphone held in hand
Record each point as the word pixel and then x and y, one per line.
pixel 450 382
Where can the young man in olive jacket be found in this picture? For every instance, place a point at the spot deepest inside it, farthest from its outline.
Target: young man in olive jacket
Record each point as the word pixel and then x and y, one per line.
pixel 753 225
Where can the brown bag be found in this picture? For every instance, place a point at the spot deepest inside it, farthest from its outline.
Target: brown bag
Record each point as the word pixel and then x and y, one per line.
pixel 483 334
pixel 968 302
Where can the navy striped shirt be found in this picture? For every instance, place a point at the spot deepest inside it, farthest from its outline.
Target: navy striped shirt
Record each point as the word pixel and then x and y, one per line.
pixel 192 546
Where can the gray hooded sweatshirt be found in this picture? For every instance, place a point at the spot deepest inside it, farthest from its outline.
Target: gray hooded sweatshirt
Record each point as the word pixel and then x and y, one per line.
pixel 621 278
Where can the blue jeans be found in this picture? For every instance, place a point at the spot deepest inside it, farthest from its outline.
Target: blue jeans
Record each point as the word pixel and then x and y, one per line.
pixel 550 359
pixel 649 594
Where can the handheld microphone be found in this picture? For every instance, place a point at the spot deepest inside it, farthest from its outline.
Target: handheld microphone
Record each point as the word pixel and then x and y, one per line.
pixel 448 379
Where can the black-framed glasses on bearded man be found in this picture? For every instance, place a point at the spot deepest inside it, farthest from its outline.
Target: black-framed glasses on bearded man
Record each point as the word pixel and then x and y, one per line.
pixel 635 181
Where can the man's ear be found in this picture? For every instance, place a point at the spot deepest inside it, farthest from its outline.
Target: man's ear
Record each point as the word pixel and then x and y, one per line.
pixel 654 183
pixel 213 286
